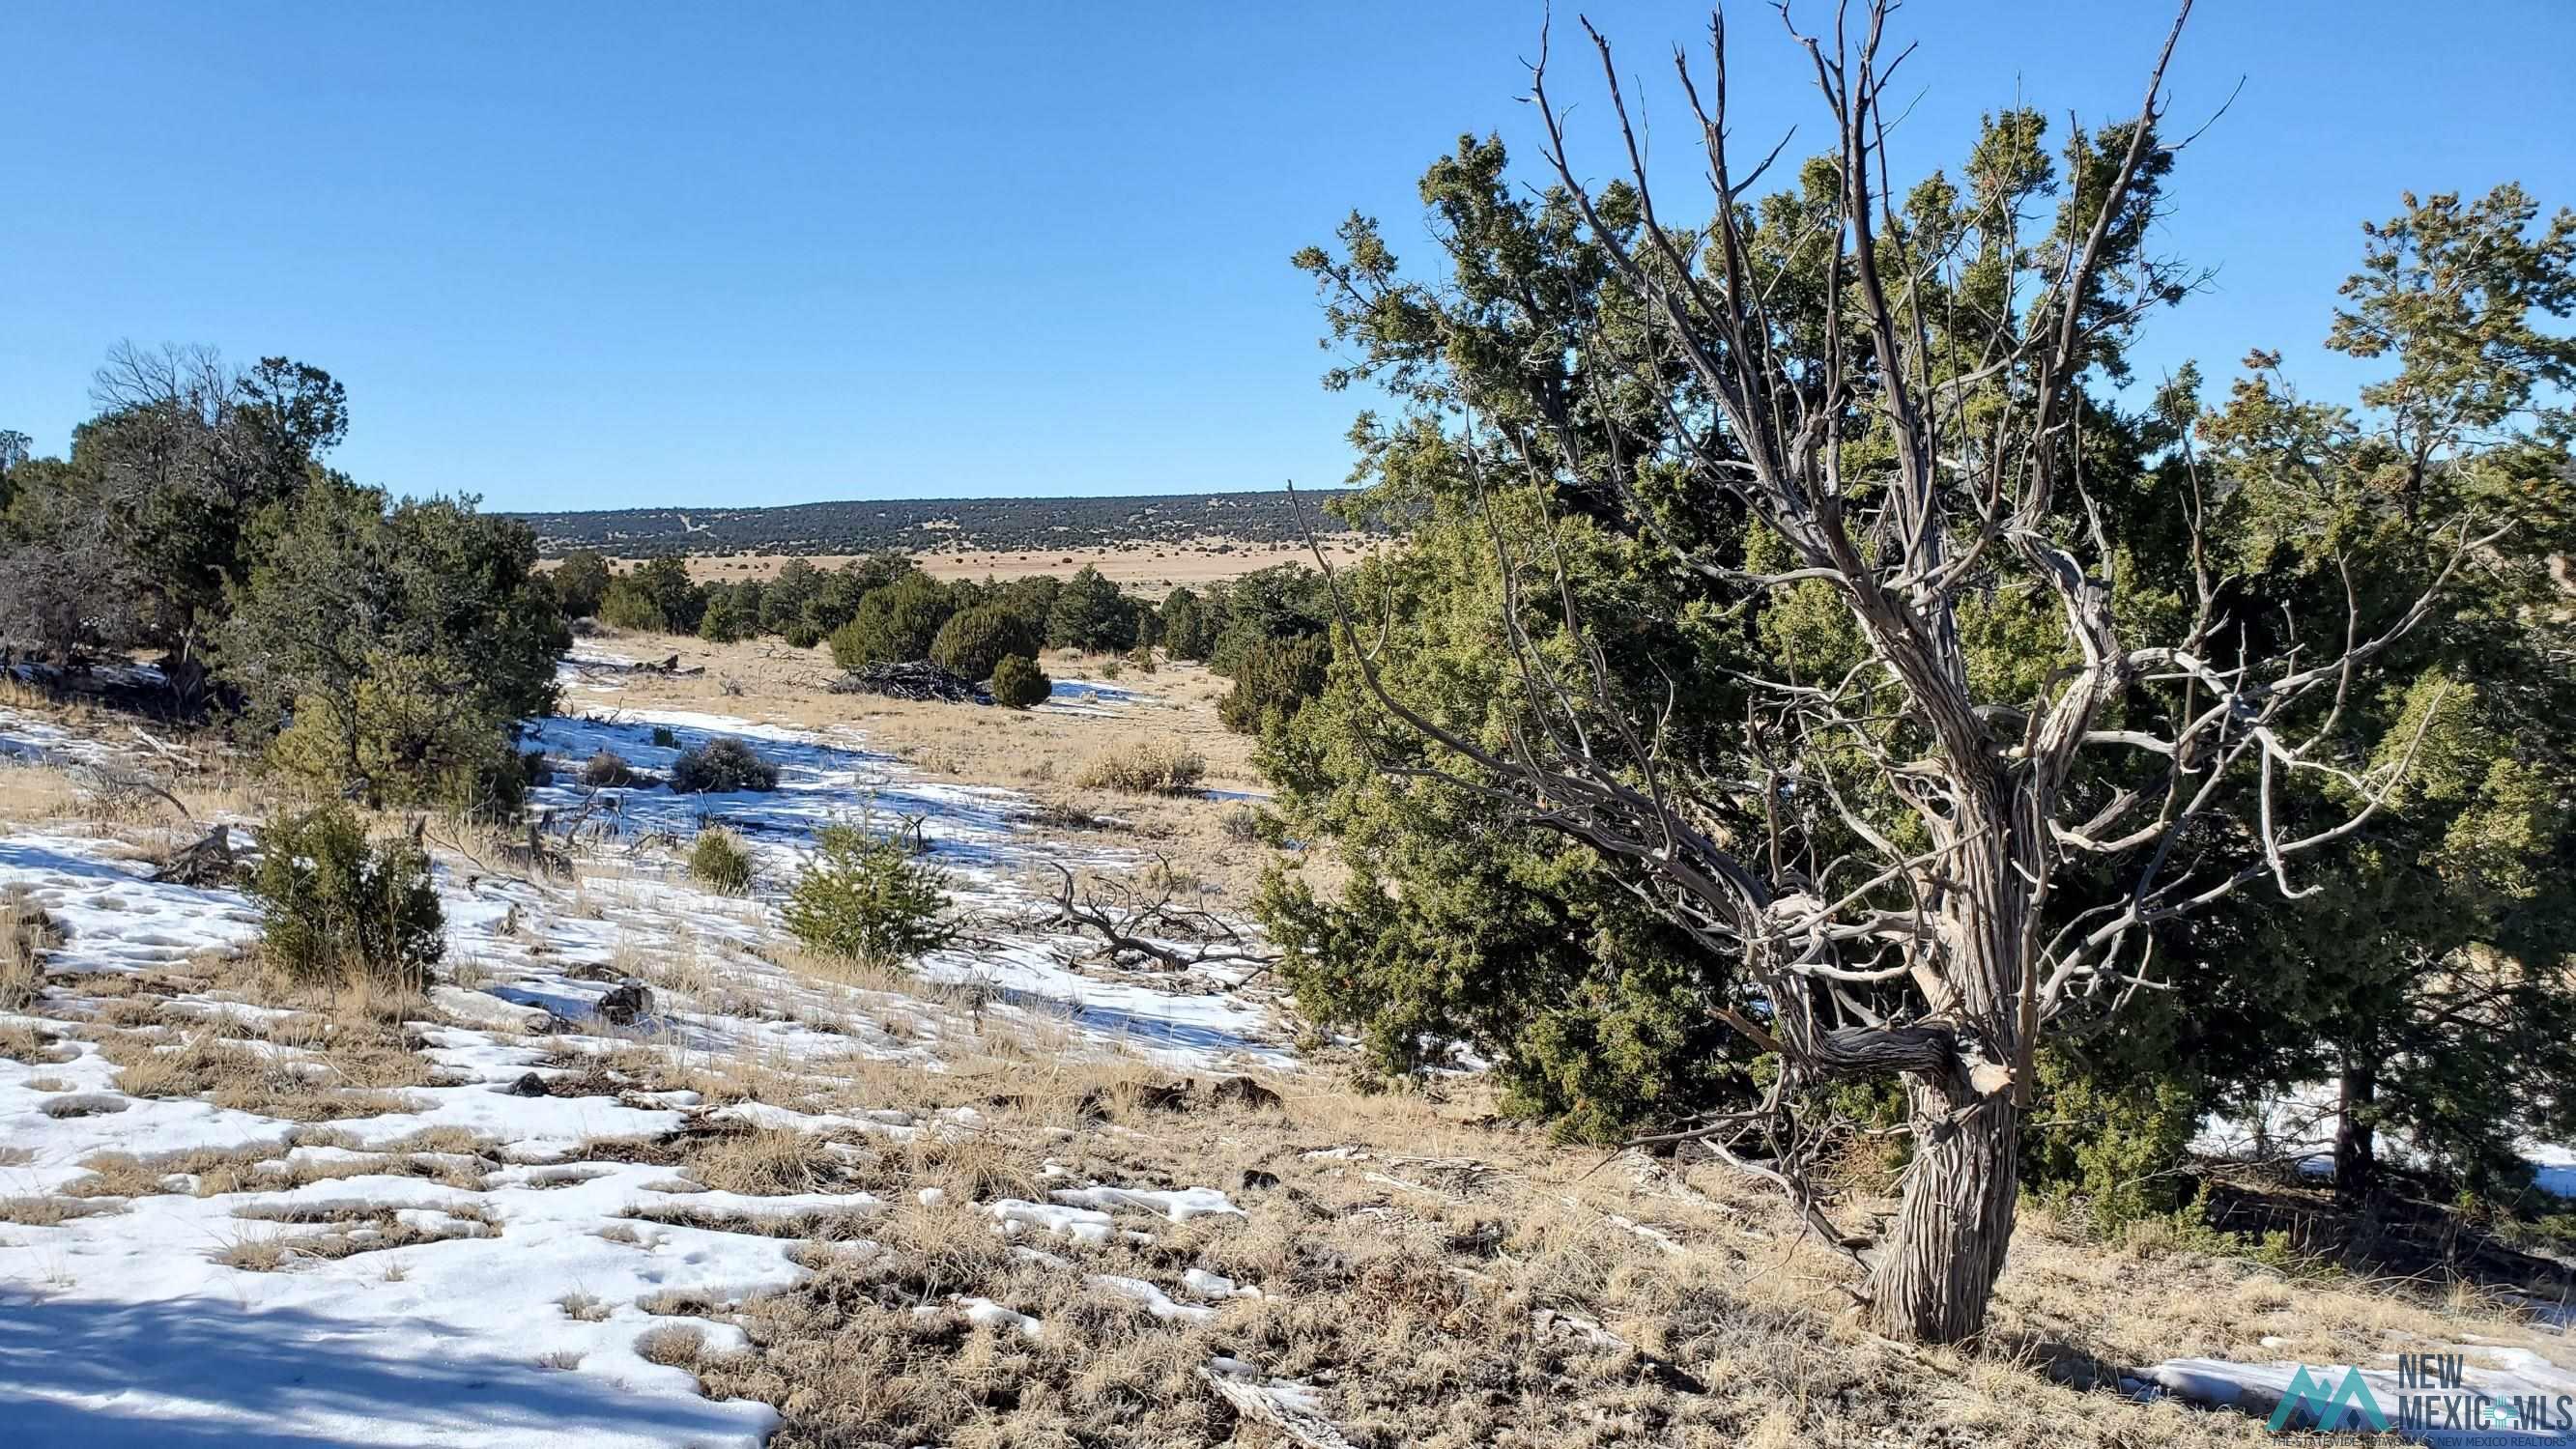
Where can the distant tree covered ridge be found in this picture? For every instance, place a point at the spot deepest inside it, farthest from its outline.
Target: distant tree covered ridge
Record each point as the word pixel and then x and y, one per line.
pixel 916 525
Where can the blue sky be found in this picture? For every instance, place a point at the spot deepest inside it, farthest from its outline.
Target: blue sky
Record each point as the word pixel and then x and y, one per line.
pixel 628 254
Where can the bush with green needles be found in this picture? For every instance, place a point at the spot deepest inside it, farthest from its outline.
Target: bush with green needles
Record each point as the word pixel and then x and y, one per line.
pixel 866 897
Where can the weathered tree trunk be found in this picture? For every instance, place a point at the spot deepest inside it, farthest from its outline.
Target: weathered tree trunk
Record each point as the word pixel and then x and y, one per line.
pixel 1938 1264
pixel 2356 1151
pixel 1937 1267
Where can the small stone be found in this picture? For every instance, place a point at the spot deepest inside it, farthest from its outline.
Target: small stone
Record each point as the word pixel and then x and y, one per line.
pixel 529 1084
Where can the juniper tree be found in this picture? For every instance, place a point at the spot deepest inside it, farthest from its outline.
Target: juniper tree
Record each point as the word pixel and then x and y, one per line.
pixel 1953 760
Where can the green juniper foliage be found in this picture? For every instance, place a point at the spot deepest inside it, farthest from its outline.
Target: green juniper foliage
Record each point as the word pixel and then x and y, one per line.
pixel 1090 614
pixel 1273 678
pixel 1189 625
pixel 579 582
pixel 402 644
pixel 973 641
pixel 720 859
pixel 1018 683
pixel 866 897
pixel 334 902
pixel 2431 971
pixel 894 624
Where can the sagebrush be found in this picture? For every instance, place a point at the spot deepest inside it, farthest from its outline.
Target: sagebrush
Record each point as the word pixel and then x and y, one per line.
pixel 720 766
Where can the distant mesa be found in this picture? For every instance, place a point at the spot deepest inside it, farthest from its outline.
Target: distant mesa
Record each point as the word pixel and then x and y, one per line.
pixel 947 525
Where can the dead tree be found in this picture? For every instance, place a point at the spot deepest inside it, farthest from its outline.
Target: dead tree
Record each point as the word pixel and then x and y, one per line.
pixel 1903 471
pixel 1141 924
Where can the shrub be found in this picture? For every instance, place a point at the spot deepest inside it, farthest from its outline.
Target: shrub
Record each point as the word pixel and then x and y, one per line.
pixel 579 582
pixel 1146 768
pixel 337 903
pixel 725 619
pixel 1089 613
pixel 783 602
pixel 1018 683
pixel 2123 1165
pixel 27 932
pixel 1189 626
pixel 607 769
pixel 977 640
pixel 721 765
pixel 720 859
pixel 665 737
pixel 865 897
pixel 420 741
pixel 679 599
pixel 894 624
pixel 627 604
pixel 1274 675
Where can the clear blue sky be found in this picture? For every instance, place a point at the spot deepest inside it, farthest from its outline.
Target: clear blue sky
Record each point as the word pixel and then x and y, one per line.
pixel 623 254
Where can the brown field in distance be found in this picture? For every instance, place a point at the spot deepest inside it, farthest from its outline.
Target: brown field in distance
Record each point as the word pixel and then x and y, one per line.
pixel 1150 569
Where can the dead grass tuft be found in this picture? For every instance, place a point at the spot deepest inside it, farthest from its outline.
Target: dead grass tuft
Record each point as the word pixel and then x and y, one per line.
pixel 27 933
pixel 350 1229
pixel 1144 767
pixel 768 1162
pixel 35 1045
pixel 43 1210
pixel 338 1080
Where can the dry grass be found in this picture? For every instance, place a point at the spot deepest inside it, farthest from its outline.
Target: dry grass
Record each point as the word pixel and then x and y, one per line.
pixel 27 933
pixel 291 1086
pixel 1411 1308
pixel 27 1042
pixel 768 1162
pixel 1151 569
pixel 46 1210
pixel 1144 767
pixel 34 793
pixel 348 1230
pixel 1404 1272
pixel 445 1155
pixel 675 1345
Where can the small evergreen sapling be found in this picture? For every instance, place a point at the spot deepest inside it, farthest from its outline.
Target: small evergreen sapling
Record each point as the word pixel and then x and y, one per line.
pixel 1018 683
pixel 865 897
pixel 337 903
pixel 719 858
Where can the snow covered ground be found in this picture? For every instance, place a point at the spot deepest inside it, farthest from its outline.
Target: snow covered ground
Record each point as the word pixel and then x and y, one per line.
pixel 458 1259
pixel 2300 1126
pixel 2503 1397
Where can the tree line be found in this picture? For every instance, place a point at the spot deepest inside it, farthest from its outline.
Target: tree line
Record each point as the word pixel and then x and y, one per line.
pixel 379 646
pixel 1265 630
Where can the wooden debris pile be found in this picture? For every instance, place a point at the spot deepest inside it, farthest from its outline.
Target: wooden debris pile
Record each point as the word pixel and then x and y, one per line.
pixel 917 680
